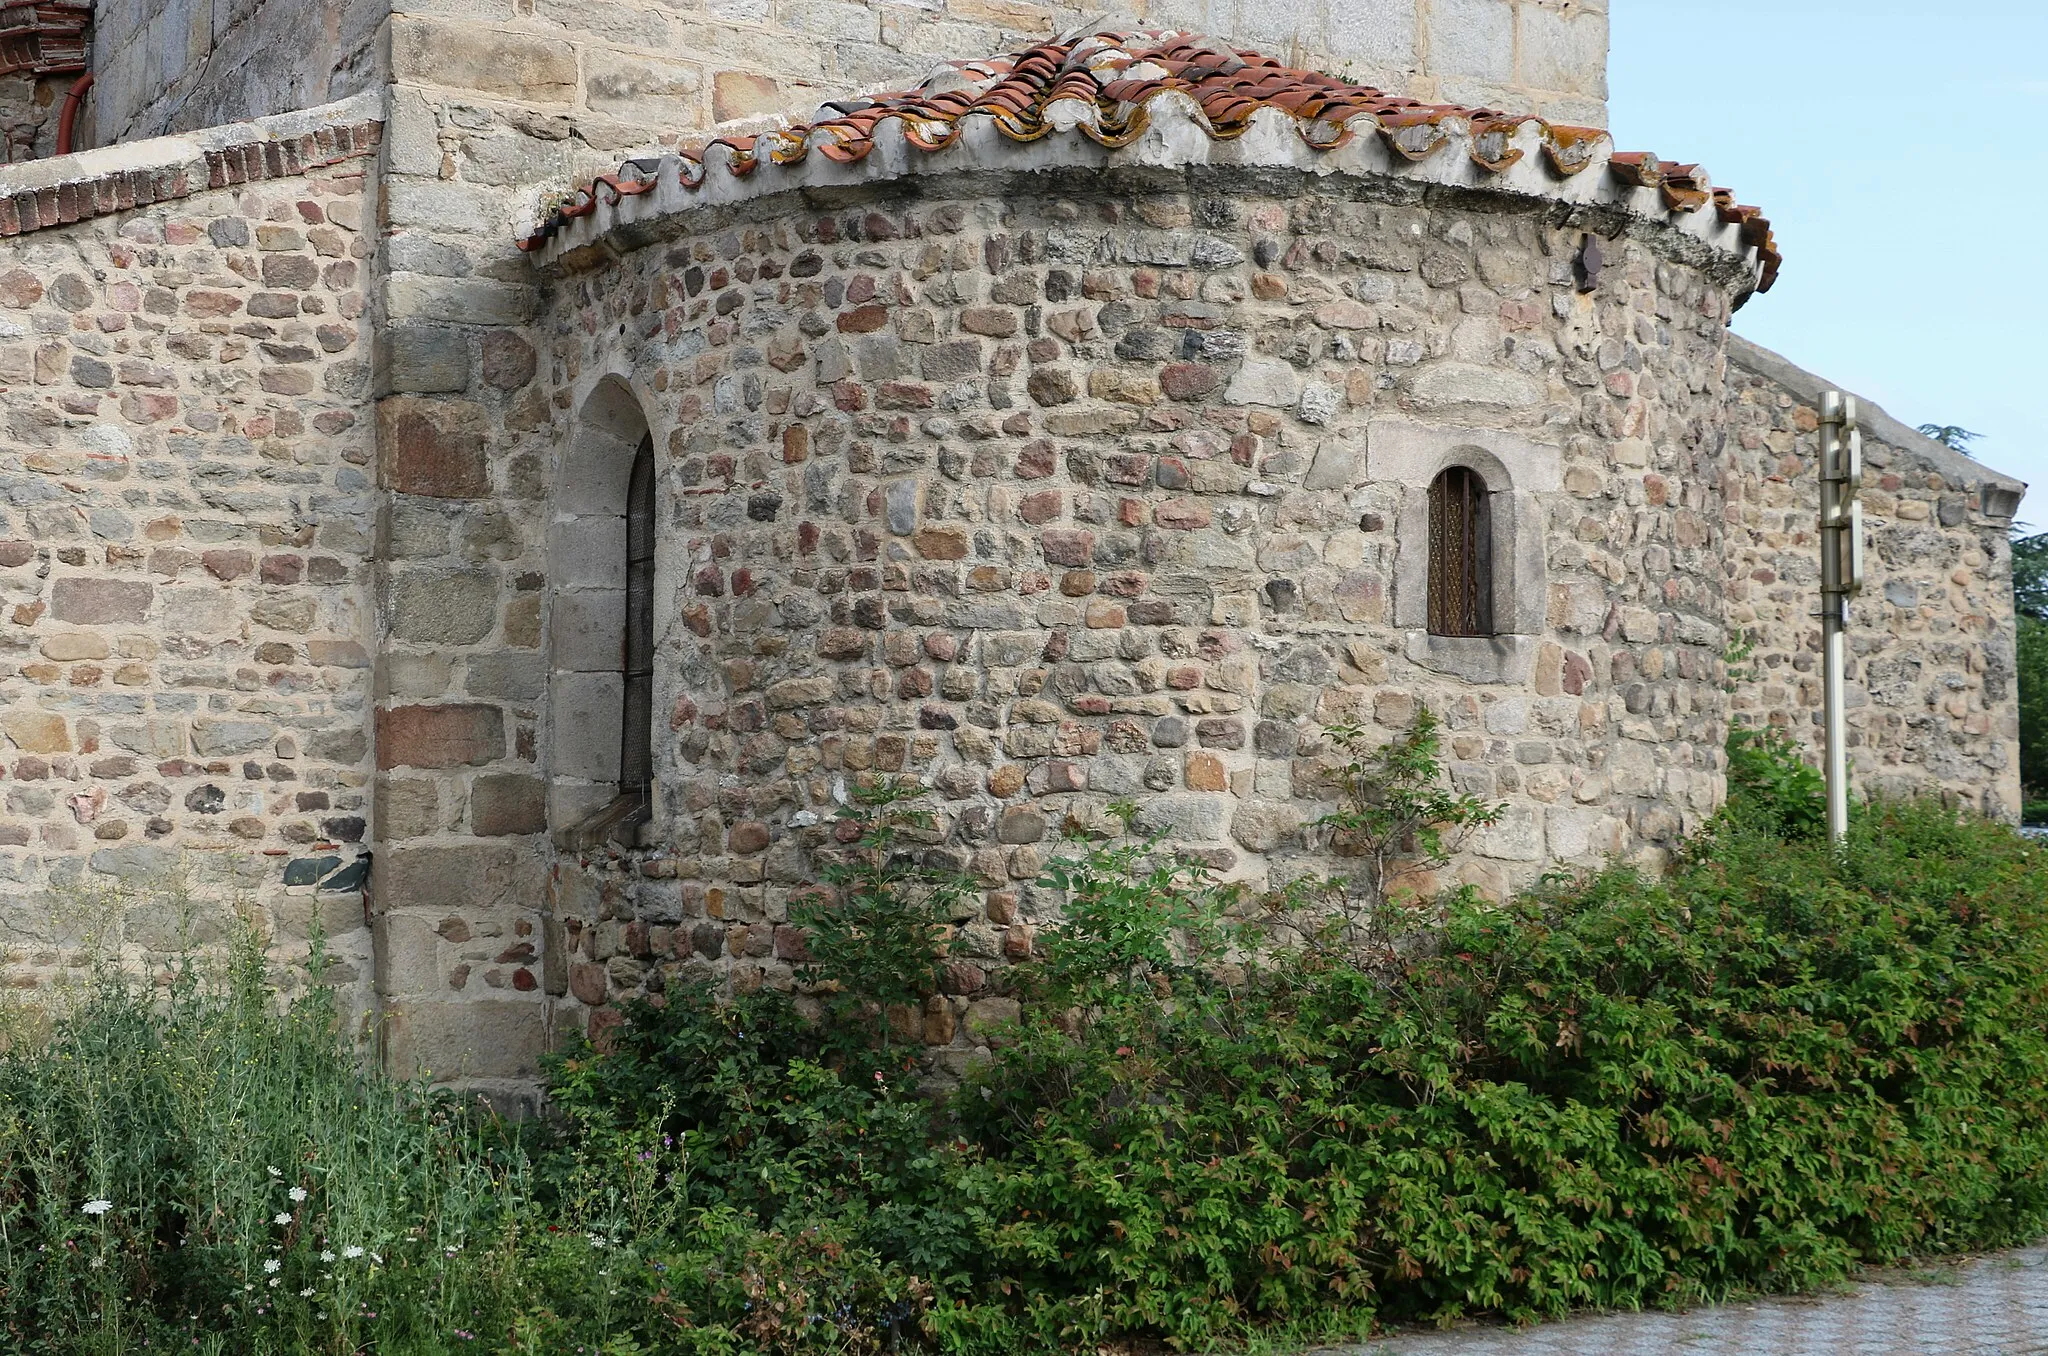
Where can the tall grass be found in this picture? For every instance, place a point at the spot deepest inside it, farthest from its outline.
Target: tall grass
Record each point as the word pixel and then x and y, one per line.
pixel 195 1159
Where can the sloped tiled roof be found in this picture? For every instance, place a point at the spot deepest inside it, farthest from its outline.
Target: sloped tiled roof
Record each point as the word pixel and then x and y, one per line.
pixel 1100 85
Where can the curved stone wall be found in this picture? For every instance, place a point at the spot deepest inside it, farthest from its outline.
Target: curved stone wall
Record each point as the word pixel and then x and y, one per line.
pixel 1063 489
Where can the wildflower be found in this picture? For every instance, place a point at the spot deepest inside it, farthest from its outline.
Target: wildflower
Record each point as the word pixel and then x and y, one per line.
pixel 98 1207
pixel 297 1194
pixel 271 1264
pixel 351 1252
pixel 273 1282
pixel 327 1255
pixel 282 1217
pixel 307 1293
pixel 273 1172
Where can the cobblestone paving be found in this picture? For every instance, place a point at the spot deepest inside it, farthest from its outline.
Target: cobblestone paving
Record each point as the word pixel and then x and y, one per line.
pixel 1990 1306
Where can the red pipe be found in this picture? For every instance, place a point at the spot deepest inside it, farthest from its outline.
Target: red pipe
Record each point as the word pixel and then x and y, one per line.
pixel 67 117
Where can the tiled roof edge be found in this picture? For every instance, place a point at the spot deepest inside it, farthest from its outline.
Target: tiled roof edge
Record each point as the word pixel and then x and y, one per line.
pixel 37 195
pixel 1959 467
pixel 1077 100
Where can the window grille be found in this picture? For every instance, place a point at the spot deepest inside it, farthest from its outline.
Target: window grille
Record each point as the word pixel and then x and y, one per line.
pixel 1460 555
pixel 636 753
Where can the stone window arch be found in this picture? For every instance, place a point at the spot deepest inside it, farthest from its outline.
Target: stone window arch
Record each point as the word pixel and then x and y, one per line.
pixel 1471 517
pixel 601 783
pixel 1460 554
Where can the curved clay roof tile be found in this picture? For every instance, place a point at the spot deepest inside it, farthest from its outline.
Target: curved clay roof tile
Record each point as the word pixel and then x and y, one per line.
pixel 1016 92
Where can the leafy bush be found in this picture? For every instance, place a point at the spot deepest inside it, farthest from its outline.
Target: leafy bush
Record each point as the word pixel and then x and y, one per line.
pixel 1222 1113
pixel 1772 788
pixel 1774 1066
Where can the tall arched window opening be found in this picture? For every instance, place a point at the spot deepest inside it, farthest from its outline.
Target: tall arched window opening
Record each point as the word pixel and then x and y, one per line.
pixel 600 625
pixel 1460 555
pixel 636 750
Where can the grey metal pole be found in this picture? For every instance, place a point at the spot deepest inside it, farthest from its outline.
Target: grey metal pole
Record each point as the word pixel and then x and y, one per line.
pixel 1841 575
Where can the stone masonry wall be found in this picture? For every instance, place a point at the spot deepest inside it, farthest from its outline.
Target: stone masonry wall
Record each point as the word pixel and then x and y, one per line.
pixel 185 530
pixel 29 104
pixel 493 103
pixel 1058 494
pixel 1932 702
pixel 178 65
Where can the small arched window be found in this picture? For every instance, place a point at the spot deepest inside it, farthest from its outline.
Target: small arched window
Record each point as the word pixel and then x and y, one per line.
pixel 636 750
pixel 1460 555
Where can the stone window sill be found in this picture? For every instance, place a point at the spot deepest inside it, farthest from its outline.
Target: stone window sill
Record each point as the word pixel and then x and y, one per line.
pixel 622 823
pixel 1476 659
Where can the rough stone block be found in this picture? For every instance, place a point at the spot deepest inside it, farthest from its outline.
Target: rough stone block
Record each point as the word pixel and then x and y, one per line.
pixel 212 738
pixel 1187 818
pixel 100 602
pixel 507 804
pixel 475 1039
pixel 637 88
pixel 408 807
pixel 520 66
pixel 443 607
pixel 587 709
pixel 589 630
pixel 36 731
pixel 473 877
pixel 1472 38
pixel 433 447
pixel 1563 49
pixel 459 301
pixel 511 677
pixel 422 359
pixel 448 735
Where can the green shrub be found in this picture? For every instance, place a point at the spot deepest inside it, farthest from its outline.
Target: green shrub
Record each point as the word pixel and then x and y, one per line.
pixel 1776 1065
pixel 1222 1114
pixel 1771 786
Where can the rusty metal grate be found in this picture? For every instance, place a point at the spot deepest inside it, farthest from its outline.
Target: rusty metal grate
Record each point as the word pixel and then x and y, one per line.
pixel 1460 555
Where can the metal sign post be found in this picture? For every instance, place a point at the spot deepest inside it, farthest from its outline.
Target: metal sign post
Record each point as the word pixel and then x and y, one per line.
pixel 1841 578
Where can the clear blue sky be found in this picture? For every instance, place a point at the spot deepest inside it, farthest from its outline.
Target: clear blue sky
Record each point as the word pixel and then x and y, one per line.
pixel 1897 148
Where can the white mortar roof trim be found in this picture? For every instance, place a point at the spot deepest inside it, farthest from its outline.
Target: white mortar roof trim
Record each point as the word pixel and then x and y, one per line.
pixel 1178 138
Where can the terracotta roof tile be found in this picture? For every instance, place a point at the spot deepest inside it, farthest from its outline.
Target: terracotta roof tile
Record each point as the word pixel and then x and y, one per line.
pixel 1115 76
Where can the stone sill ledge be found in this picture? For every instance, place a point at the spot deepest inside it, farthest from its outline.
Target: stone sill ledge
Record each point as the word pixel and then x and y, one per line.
pixel 40 194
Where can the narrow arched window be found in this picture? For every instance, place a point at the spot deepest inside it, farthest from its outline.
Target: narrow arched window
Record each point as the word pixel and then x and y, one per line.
pixel 636 751
pixel 1460 555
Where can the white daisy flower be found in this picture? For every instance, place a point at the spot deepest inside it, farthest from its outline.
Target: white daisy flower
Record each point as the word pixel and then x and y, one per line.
pixel 307 1293
pixel 297 1194
pixel 282 1217
pixel 97 1207
pixel 271 1264
pixel 327 1255
pixel 351 1252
